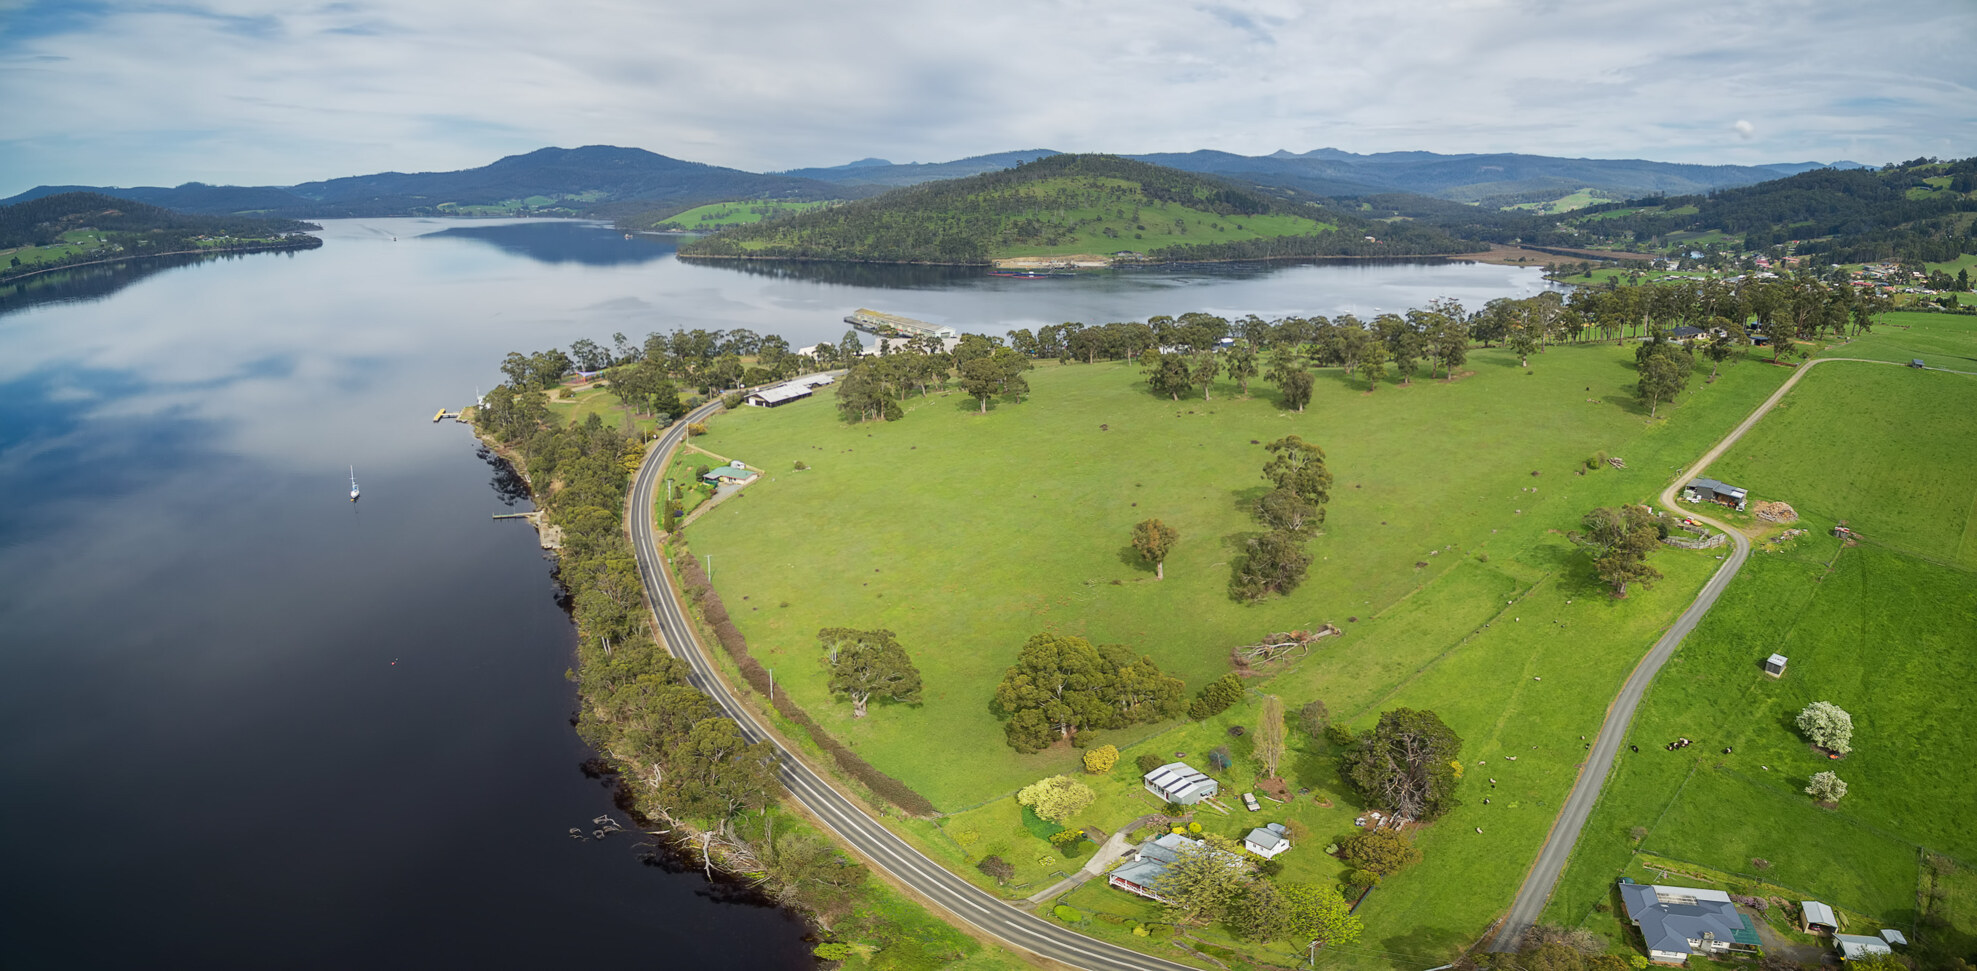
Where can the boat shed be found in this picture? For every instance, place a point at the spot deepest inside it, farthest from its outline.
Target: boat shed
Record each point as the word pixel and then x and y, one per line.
pixel 1181 783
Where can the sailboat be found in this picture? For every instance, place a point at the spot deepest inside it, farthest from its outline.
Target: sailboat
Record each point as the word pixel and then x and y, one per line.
pixel 353 484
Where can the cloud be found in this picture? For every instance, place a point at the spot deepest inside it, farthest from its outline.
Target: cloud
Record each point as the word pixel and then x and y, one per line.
pixel 260 91
pixel 1744 129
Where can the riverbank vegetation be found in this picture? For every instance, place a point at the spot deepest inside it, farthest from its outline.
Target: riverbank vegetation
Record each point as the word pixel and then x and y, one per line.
pixel 71 228
pixel 683 764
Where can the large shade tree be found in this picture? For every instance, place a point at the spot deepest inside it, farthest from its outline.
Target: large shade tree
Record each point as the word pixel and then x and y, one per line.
pixel 1409 763
pixel 869 663
pixel 1062 684
pixel 1152 539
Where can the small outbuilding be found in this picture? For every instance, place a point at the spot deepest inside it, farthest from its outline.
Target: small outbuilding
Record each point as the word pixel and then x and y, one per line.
pixel 1855 946
pixel 1775 665
pixel 1818 918
pixel 1267 841
pixel 1893 936
pixel 1916 363
pixel 781 394
pixel 1181 783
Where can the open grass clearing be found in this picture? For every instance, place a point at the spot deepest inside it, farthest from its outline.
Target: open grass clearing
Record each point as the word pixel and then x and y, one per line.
pixel 1878 635
pixel 966 534
pixel 1889 449
pixel 718 215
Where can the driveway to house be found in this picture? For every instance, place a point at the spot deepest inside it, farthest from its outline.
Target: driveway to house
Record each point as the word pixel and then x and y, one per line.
pixel 1544 873
pixel 882 849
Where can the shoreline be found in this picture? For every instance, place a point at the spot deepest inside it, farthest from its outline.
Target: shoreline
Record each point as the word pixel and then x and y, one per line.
pixel 998 262
pixel 281 247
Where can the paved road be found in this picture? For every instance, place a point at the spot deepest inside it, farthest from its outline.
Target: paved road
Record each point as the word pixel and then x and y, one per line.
pixel 1538 884
pixel 879 847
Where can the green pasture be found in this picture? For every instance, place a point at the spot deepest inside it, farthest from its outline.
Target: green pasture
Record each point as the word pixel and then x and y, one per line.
pixel 593 398
pixel 966 534
pixel 1967 261
pixel 723 214
pixel 1870 629
pixel 1891 450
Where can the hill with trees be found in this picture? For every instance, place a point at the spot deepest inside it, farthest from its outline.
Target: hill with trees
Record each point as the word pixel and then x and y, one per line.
pixel 1073 204
pixel 78 227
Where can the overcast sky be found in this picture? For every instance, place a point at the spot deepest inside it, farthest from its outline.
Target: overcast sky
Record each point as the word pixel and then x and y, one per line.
pixel 158 92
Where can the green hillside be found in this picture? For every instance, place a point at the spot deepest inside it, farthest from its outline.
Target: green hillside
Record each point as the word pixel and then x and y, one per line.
pixel 1070 204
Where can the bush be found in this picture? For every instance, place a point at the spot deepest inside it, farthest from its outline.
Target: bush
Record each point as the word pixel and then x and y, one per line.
pixel 1057 798
pixel 1381 851
pixel 1067 838
pixel 695 430
pixel 800 466
pixel 1101 759
pixel 1194 827
pixel 1216 697
pixel 832 951
pixel 1148 762
pixel 997 867
pixel 733 400
pixel 1219 758
pixel 1360 878
pixel 1337 734
pixel 1159 932
pixel 1069 915
pixel 1314 717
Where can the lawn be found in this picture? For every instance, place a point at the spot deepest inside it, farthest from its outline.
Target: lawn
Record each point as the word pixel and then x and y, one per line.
pixel 1889 449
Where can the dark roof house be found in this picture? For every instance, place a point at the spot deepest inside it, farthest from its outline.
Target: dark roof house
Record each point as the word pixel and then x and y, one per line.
pixel 1676 922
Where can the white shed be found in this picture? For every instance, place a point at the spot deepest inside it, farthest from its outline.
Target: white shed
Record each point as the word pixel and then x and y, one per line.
pixel 1181 783
pixel 1267 841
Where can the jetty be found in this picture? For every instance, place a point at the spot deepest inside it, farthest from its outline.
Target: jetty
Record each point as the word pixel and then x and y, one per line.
pixel 548 534
pixel 894 325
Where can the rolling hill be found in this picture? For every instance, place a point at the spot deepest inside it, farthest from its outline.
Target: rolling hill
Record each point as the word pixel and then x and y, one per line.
pixel 1071 204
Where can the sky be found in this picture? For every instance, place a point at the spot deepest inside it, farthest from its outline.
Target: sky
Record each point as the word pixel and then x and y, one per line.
pixel 275 92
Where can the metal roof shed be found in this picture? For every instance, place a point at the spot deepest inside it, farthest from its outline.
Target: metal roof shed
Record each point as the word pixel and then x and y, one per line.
pixel 1181 783
pixel 1819 915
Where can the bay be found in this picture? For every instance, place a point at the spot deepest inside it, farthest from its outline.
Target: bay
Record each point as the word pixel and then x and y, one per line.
pixel 246 723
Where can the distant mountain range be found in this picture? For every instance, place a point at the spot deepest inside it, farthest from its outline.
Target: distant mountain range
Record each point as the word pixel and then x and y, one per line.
pixel 601 180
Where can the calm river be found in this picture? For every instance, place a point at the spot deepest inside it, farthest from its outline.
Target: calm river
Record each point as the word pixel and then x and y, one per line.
pixel 245 723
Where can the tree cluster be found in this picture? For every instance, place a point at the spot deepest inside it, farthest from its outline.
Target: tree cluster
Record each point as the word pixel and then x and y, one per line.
pixel 1275 562
pixel 1216 697
pixel 1062 685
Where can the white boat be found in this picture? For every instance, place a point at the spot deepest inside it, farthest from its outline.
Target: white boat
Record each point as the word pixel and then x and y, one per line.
pixel 353 484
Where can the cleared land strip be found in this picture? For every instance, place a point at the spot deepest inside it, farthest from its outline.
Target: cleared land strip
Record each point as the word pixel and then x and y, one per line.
pixel 877 845
pixel 1538 883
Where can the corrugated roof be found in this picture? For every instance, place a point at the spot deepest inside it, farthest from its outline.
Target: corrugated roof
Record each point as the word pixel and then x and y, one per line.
pixel 1818 913
pixel 1671 926
pixel 1859 946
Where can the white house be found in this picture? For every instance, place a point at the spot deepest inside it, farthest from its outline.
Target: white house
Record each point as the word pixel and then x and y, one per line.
pixel 1267 841
pixel 1181 783
pixel 1676 922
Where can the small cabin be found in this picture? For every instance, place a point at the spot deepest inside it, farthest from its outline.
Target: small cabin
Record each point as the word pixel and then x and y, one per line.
pixel 1775 665
pixel 1267 841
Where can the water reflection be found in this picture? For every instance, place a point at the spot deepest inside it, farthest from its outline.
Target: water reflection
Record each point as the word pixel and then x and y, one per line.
pixel 563 241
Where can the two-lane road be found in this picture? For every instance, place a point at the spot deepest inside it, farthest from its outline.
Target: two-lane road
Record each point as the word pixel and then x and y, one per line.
pixel 879 846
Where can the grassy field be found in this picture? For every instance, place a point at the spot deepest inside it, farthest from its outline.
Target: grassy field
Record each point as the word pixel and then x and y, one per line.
pixel 1890 449
pixel 721 214
pixel 1875 628
pixel 1443 559
pixel 1566 203
pixel 1941 340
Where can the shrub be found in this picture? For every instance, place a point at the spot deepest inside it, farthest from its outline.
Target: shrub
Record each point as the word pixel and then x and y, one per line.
pixel 1069 915
pixel 1381 851
pixel 1065 839
pixel 1219 758
pixel 1337 734
pixel 733 400
pixel 1159 932
pixel 1827 787
pixel 1828 726
pixel 1637 834
pixel 1313 718
pixel 1148 762
pixel 1002 870
pixel 832 951
pixel 1057 798
pixel 695 430
pixel 1638 962
pixel 1360 878
pixel 1194 827
pixel 1296 831
pixel 800 466
pixel 1216 696
pixel 1102 759
pixel 1760 863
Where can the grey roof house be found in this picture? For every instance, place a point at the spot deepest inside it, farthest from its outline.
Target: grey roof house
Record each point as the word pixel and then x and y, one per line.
pixel 1143 874
pixel 1267 841
pixel 1676 922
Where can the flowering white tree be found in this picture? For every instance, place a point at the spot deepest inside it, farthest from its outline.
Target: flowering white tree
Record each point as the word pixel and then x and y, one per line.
pixel 1828 726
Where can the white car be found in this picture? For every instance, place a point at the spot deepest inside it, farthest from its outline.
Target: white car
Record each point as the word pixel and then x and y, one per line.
pixel 1249 800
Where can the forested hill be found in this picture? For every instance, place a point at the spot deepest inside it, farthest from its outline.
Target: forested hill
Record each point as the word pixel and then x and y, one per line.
pixel 1073 204
pixel 78 227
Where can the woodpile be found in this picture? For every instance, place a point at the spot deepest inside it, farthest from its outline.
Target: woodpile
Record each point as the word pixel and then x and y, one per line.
pixel 1775 512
